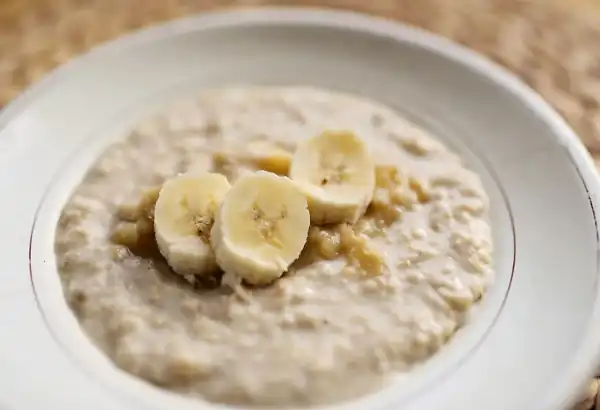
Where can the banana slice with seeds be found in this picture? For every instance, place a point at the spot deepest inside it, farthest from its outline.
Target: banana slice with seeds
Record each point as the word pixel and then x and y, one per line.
pixel 260 228
pixel 337 174
pixel 183 217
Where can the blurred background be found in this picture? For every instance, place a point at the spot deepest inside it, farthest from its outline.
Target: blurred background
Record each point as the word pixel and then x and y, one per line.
pixel 553 45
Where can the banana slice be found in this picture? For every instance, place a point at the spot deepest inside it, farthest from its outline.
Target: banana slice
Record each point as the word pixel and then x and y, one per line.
pixel 183 217
pixel 262 154
pixel 337 174
pixel 260 228
pixel 270 157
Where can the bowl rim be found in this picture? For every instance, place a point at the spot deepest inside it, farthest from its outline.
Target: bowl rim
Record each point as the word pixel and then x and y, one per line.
pixel 587 357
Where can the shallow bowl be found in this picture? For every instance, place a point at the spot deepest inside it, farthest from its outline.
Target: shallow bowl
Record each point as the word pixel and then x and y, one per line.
pixel 533 342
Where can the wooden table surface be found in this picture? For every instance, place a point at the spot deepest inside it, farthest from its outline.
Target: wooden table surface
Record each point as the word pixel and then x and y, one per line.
pixel 553 45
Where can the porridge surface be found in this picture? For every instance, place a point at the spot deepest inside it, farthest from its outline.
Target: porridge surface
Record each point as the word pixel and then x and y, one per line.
pixel 324 332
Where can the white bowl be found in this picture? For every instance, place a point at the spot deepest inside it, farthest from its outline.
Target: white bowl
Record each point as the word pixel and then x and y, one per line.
pixel 533 344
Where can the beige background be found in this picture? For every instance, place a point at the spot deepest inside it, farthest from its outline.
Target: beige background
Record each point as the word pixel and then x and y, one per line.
pixel 553 45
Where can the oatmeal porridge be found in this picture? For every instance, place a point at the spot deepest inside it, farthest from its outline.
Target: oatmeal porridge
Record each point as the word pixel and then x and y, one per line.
pixel 375 289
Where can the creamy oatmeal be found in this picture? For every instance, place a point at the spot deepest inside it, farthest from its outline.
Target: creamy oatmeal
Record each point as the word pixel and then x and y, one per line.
pixel 363 303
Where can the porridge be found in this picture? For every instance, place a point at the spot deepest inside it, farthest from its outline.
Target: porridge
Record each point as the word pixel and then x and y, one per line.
pixel 375 263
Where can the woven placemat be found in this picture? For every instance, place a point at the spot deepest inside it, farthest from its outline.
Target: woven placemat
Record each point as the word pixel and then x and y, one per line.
pixel 554 45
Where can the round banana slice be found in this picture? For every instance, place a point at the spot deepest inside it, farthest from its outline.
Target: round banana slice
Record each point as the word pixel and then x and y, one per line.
pixel 337 174
pixel 262 154
pixel 260 228
pixel 270 157
pixel 183 217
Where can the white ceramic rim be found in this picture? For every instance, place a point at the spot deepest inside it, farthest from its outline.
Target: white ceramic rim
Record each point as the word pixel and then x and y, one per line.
pixel 586 359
